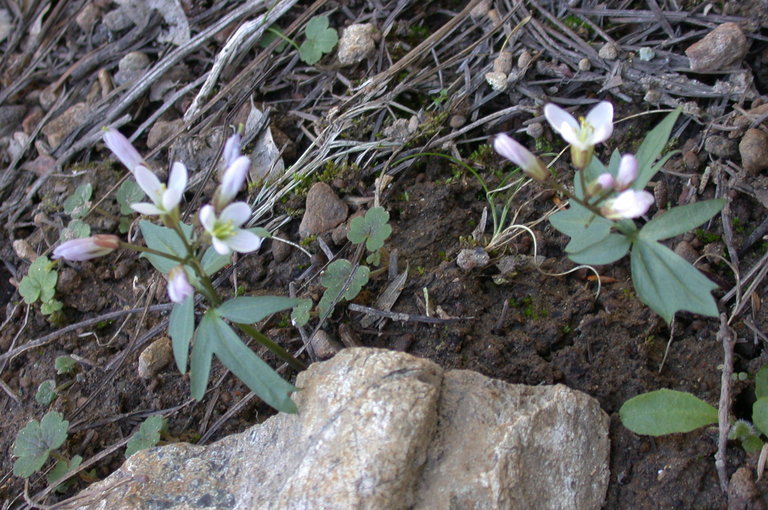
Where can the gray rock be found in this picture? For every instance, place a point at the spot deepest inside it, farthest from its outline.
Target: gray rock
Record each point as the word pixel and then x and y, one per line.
pixel 608 51
pixel 357 42
pixel 385 430
pixel 720 48
pixel 754 151
pixel 163 130
pixel 155 357
pixel 324 345
pixel 324 210
pixel 131 68
pixel 470 258
pixel 720 146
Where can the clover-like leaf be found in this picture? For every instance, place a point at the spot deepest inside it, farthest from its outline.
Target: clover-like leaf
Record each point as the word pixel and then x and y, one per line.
pixel 36 441
pixel 78 203
pixel 64 364
pixel 128 193
pixel 147 436
pixel 336 275
pixel 75 229
pixel 320 40
pixel 373 228
pixel 46 392
pixel 61 468
pixel 300 312
pixel 40 281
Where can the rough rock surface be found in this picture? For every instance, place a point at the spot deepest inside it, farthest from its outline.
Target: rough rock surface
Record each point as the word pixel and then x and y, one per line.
pixel 718 49
pixel 385 430
pixel 325 210
pixel 754 151
pixel 357 42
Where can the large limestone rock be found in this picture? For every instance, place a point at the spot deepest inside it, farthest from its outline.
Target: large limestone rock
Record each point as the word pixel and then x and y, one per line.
pixel 385 430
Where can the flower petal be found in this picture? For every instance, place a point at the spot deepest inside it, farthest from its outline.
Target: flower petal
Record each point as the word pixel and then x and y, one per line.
pixel 244 241
pixel 627 172
pixel 231 150
pixel 178 178
pixel 236 212
pixel 515 152
pixel 628 204
pixel 147 209
pixel 233 179
pixel 122 148
pixel 220 247
pixel 171 199
pixel 148 182
pixel 600 118
pixel 86 248
pixel 563 122
pixel 179 288
pixel 208 218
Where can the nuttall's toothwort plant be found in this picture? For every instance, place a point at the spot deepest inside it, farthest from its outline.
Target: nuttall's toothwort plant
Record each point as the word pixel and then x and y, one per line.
pixel 189 257
pixel 605 201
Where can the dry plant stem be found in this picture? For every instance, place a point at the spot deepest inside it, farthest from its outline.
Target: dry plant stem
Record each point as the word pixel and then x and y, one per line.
pixel 726 337
pixel 403 317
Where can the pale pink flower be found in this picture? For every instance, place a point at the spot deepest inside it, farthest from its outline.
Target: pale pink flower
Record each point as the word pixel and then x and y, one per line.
pixel 627 172
pixel 605 181
pixel 122 148
pixel 226 234
pixel 627 204
pixel 511 149
pixel 232 180
pixel 231 150
pixel 179 288
pixel 86 248
pixel 586 132
pixel 164 199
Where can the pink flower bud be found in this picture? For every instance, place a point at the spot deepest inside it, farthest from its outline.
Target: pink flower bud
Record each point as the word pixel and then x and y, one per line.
pixel 122 148
pixel 86 248
pixel 605 181
pixel 628 204
pixel 627 172
pixel 231 150
pixel 522 157
pixel 232 180
pixel 179 288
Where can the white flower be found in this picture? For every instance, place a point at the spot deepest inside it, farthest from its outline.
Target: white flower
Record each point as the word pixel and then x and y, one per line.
pixel 226 234
pixel 232 180
pixel 165 199
pixel 628 204
pixel 511 149
pixel 179 288
pixel 627 172
pixel 86 248
pixel 122 148
pixel 585 133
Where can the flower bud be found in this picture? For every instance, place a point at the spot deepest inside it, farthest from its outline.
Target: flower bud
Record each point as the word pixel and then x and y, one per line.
pixel 231 150
pixel 122 148
pixel 86 248
pixel 522 157
pixel 605 181
pixel 627 172
pixel 628 204
pixel 179 288
pixel 232 180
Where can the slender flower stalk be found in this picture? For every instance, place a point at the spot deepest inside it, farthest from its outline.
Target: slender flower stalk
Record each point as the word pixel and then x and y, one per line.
pixel 86 248
pixel 226 234
pixel 165 199
pixel 179 288
pixel 122 148
pixel 509 148
pixel 582 134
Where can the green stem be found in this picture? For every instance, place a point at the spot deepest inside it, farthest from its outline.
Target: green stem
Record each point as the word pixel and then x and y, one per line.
pixel 272 346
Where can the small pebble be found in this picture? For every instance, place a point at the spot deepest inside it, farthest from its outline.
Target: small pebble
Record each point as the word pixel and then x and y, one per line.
pixel 470 258
pixel 357 42
pixel 524 60
pixel 535 129
pixel 497 81
pixel 609 51
pixel 457 121
pixel 503 63
pixel 685 250
pixel 720 48
pixel 24 251
pixel 280 250
pixel 646 54
pixel 155 357
pixel 324 210
pixel 691 160
pixel 585 64
pixel 720 146
pixel 56 130
pixel 754 151
pixel 131 67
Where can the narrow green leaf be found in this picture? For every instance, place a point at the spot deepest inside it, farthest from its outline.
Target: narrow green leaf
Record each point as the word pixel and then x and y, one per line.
pixel 213 261
pixel 679 220
pixel 165 240
pixel 584 228
pixel 761 382
pixel 202 352
pixel 667 283
pixel 605 251
pixel 181 326
pixel 252 370
pixel 760 414
pixel 666 412
pixel 252 309
pixel 651 148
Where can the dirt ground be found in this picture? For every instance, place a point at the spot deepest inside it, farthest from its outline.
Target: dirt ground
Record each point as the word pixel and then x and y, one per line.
pixel 335 123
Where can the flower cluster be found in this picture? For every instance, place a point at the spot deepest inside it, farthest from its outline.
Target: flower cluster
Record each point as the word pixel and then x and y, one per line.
pixel 222 221
pixel 619 200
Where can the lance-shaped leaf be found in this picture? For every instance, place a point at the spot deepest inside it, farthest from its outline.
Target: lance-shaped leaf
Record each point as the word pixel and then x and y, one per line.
pixel 165 240
pixel 666 412
pixel 651 148
pixel 252 309
pixel 667 283
pixel 584 227
pixel 181 326
pixel 607 250
pixel 681 219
